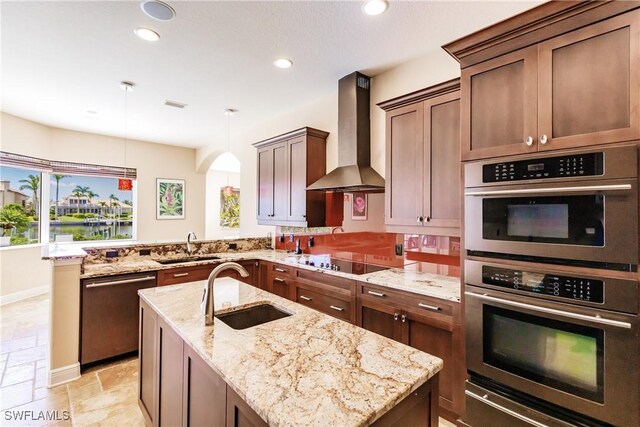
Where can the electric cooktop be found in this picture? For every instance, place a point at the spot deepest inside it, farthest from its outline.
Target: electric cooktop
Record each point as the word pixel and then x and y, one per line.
pixel 335 264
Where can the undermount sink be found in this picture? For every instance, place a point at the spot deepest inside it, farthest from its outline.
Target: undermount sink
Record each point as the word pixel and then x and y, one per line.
pixel 252 316
pixel 190 259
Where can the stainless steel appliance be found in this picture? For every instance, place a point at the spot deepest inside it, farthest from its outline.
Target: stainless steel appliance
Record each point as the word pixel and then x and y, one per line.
pixel 579 207
pixel 328 263
pixel 551 346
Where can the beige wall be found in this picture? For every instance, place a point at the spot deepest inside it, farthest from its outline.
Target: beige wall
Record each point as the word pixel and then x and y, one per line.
pixel 23 272
pixel 151 160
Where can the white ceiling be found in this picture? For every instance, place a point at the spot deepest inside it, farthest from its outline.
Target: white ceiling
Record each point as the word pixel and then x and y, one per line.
pixel 62 58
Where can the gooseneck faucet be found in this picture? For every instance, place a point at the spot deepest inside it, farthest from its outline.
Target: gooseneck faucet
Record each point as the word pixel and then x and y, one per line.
pixel 189 236
pixel 207 297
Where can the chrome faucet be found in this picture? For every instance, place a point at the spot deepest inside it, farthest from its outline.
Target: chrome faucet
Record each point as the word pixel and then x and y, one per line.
pixel 207 296
pixel 189 248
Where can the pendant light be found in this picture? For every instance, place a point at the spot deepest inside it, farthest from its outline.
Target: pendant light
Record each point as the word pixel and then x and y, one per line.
pixel 125 184
pixel 228 189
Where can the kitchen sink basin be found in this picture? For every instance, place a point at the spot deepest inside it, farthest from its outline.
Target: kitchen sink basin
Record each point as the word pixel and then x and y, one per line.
pixel 252 316
pixel 190 259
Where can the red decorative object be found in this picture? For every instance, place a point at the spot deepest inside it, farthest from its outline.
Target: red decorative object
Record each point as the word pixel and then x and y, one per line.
pixel 125 184
pixel 227 190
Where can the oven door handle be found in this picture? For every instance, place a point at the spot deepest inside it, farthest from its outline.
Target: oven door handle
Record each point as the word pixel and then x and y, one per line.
pixel 485 399
pixel 592 319
pixel 585 189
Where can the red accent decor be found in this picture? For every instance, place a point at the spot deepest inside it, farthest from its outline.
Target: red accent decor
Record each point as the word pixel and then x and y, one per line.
pixel 125 184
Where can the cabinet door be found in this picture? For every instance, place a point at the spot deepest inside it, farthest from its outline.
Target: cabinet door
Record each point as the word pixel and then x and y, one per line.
pixel 297 204
pixel 170 376
pixel 442 161
pixel 264 275
pixel 205 393
pixel 404 164
pixel 589 84
pixel 280 182
pixel 499 105
pixel 435 336
pixel 239 413
pixel 383 319
pixel 264 201
pixel 280 286
pixel 148 363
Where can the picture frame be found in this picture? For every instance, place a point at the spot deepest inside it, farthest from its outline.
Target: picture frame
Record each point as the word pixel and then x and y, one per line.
pixel 359 205
pixel 170 198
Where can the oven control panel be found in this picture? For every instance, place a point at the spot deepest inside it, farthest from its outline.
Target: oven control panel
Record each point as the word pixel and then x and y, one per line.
pixel 576 288
pixel 588 164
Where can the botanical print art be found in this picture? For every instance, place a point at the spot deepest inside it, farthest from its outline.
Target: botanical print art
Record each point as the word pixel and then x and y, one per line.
pixel 229 207
pixel 170 198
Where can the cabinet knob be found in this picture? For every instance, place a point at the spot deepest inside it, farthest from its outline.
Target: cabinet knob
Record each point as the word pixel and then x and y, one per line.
pixel 419 219
pixel 395 316
pixel 428 218
pixel 543 139
pixel 404 318
pixel 529 141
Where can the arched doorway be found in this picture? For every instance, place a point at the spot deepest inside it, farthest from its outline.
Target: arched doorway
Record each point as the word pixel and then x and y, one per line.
pixel 223 197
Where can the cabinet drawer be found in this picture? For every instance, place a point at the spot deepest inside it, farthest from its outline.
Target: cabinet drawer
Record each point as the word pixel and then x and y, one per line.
pixel 282 270
pixel 324 303
pixel 326 281
pixel 415 303
pixel 174 276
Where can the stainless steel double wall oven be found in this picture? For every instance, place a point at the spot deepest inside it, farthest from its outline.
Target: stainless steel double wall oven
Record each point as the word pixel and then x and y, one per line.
pixel 551 294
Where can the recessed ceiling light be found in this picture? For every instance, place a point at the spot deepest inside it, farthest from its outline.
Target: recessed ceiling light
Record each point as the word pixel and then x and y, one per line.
pixel 158 10
pixel 147 34
pixel 283 63
pixel 375 7
pixel 92 112
pixel 230 111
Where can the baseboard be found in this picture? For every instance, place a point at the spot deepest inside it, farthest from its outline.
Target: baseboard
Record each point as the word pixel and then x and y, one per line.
pixel 63 375
pixel 28 293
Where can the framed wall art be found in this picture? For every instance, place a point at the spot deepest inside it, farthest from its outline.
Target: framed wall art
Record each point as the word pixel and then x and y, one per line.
pixel 170 198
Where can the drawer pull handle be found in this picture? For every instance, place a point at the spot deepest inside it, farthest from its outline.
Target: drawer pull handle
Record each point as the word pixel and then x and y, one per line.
pixel 377 294
pixel 180 274
pixel 429 307
pixel 306 298
pixel 336 308
pixel 119 282
pixel 279 270
pixel 277 279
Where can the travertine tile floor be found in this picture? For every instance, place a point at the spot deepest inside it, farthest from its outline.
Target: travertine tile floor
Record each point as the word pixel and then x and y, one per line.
pixel 105 395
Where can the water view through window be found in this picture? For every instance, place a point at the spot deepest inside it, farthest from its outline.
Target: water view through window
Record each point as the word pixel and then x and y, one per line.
pixel 89 208
pixel 20 191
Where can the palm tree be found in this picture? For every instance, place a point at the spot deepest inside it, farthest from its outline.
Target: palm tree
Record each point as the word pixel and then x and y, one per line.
pixel 102 205
pixel 112 200
pixel 80 191
pixel 33 184
pixel 90 195
pixel 58 177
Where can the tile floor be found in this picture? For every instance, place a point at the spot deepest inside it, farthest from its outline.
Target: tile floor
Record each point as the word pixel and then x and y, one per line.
pixel 105 395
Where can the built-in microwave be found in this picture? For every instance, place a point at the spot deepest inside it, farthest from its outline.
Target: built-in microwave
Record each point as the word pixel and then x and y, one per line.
pixel 575 207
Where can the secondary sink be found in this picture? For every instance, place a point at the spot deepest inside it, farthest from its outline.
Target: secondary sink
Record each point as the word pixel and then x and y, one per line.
pixel 252 316
pixel 190 259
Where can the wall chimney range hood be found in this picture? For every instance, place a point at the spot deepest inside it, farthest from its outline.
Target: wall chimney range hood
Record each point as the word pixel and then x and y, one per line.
pixel 354 172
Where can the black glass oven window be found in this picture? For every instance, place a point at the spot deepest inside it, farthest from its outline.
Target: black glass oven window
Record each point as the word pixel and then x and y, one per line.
pixel 561 355
pixel 571 220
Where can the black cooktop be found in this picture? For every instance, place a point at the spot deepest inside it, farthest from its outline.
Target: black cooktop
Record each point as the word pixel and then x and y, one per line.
pixel 335 264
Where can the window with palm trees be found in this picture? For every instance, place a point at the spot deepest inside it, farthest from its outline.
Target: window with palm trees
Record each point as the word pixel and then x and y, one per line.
pixel 20 191
pixel 89 208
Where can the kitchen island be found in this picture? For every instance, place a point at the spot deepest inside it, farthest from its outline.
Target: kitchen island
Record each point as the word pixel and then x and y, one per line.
pixel 304 369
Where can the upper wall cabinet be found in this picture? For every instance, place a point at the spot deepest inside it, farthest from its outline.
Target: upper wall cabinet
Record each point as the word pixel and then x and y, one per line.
pixel 575 89
pixel 423 161
pixel 287 164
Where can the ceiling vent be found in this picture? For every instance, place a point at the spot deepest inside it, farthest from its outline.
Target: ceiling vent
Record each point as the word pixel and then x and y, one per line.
pixel 158 10
pixel 174 104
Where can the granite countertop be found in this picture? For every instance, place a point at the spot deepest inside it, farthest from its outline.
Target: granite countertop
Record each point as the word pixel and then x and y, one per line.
pixel 405 279
pixel 305 369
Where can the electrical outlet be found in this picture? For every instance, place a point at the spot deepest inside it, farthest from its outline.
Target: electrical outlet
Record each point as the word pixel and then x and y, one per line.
pixel 399 249
pixel 281 238
pixel 111 254
pixel 145 252
pixel 232 246
pixel 291 237
pixel 311 241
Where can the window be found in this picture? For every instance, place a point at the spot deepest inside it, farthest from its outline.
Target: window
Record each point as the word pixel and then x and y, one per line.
pixel 89 208
pixel 20 195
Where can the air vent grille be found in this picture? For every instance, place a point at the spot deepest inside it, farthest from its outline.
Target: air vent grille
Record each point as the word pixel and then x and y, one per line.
pixel 175 104
pixel 363 82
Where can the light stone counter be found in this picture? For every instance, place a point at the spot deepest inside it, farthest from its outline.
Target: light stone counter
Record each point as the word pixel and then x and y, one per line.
pixel 407 279
pixel 305 369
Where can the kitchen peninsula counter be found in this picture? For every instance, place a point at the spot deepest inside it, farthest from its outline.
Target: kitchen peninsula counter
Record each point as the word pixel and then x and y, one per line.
pixel 305 369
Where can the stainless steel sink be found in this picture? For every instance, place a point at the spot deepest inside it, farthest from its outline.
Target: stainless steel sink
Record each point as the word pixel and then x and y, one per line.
pixel 189 259
pixel 252 316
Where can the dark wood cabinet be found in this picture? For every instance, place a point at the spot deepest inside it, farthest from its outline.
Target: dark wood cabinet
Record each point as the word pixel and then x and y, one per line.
pixel 335 296
pixel 280 281
pixel 148 369
pixel 109 315
pixel 174 276
pixel 423 161
pixel 170 376
pixel 287 164
pixel 251 266
pixel 577 89
pixel 428 324
pixel 239 414
pixel 204 397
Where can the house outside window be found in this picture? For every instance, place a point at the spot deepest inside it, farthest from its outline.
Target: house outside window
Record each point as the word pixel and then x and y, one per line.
pixel 20 195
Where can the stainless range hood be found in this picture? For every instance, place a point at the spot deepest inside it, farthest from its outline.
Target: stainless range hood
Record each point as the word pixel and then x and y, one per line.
pixel 354 171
